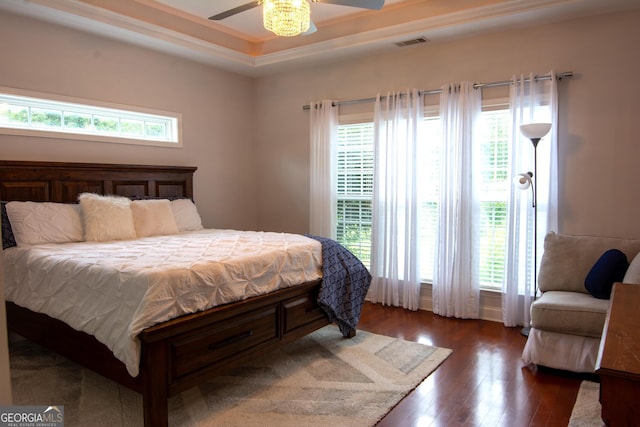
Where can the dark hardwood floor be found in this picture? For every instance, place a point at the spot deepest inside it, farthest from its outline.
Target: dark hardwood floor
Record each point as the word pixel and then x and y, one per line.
pixel 483 383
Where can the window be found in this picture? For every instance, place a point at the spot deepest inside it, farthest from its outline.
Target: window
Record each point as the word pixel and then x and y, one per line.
pixel 355 192
pixel 39 115
pixel 355 188
pixel 494 191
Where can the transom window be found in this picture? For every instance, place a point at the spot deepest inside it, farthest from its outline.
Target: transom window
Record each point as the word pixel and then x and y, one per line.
pixel 39 115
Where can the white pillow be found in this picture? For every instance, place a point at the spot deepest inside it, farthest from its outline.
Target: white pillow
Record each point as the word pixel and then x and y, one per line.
pixel 106 217
pixel 34 223
pixel 186 215
pixel 153 217
pixel 633 272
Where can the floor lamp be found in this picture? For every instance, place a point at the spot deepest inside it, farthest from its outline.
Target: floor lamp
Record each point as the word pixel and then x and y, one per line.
pixel 535 132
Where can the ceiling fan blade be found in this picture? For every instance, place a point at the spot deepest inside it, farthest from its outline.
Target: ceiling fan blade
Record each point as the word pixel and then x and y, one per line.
pixel 364 4
pixel 312 29
pixel 234 11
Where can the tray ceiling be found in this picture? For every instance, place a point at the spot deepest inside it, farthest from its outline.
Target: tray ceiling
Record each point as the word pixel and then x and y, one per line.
pixel 241 44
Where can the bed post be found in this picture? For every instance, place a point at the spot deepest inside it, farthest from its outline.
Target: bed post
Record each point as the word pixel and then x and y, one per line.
pixel 155 384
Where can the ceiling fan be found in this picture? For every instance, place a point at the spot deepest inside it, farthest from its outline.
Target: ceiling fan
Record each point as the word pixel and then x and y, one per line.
pixel 291 17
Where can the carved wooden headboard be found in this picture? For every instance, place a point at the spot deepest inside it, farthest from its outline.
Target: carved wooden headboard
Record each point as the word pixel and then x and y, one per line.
pixel 62 182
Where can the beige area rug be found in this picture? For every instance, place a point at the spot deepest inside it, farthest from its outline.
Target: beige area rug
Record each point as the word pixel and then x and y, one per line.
pixel 319 380
pixel 586 410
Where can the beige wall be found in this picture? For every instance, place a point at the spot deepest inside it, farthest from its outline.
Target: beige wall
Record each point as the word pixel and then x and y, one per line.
pixel 216 107
pixel 598 113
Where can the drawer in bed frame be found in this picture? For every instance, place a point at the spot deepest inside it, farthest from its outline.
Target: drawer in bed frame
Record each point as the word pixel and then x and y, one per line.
pixel 215 345
pixel 211 345
pixel 298 312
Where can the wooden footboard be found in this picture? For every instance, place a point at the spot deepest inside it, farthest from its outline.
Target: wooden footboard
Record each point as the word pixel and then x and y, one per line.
pixel 180 353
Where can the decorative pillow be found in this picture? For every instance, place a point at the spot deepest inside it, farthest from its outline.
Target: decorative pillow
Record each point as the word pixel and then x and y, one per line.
pixel 153 217
pixel 8 240
pixel 106 217
pixel 633 272
pixel 608 269
pixel 34 223
pixel 186 215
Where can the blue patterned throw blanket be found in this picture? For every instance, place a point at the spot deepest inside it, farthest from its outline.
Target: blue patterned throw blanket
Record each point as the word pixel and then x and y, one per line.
pixel 345 282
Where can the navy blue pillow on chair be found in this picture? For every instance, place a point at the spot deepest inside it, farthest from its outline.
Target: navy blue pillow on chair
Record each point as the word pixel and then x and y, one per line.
pixel 607 270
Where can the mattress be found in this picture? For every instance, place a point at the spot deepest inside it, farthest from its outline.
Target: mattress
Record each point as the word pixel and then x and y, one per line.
pixel 114 290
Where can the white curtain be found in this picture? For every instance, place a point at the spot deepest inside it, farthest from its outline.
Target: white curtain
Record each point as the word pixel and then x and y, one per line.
pixel 323 198
pixel 456 285
pixel 531 101
pixel 394 252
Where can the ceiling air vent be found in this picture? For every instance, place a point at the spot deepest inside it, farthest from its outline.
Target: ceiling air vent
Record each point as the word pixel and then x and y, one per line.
pixel 412 42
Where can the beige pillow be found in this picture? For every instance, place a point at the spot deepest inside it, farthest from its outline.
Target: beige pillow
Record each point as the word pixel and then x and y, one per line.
pixel 186 215
pixel 106 217
pixel 633 272
pixel 153 217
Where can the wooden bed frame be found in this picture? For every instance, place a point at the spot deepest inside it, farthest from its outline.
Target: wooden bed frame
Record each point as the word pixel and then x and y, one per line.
pixel 177 354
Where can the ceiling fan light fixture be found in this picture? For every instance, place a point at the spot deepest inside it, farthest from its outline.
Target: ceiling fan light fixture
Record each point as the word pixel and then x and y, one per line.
pixel 286 18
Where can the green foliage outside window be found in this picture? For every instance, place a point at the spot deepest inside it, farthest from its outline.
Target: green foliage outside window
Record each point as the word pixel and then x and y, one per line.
pixel 77 121
pixel 46 118
pixel 105 124
pixel 155 129
pixel 14 114
pixel 354 228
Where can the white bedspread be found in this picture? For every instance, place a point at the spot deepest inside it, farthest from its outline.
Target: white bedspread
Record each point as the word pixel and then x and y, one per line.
pixel 114 290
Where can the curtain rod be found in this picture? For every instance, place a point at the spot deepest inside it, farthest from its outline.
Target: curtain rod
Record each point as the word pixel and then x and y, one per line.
pixel 559 76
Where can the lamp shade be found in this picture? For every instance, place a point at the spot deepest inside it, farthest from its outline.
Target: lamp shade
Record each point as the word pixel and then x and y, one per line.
pixel 535 130
pixel 523 180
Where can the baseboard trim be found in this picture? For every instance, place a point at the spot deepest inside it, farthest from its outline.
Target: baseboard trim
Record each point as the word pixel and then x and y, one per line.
pixel 490 303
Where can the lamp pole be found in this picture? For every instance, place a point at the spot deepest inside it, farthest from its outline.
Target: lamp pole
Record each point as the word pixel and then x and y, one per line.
pixel 534 189
pixel 535 141
pixel 534 132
